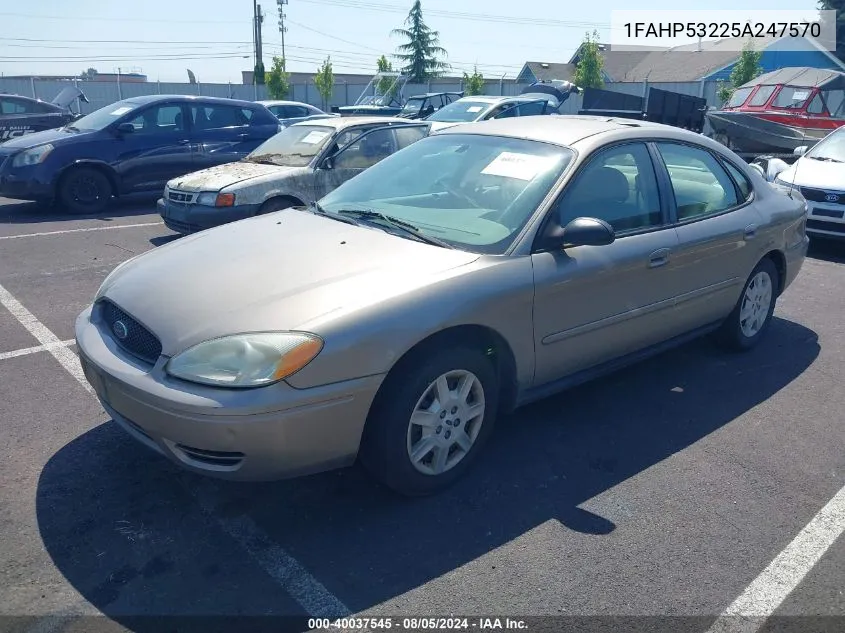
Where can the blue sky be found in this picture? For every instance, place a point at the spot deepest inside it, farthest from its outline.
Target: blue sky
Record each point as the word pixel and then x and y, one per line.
pixel 214 39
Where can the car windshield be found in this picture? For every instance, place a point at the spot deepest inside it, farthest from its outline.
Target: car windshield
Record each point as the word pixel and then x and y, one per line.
pixel 830 148
pixel 295 146
pixel 102 118
pixel 738 97
pixel 413 105
pixel 474 192
pixel 460 110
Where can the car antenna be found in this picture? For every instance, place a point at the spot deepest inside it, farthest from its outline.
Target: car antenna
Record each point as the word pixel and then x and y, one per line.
pixel 795 173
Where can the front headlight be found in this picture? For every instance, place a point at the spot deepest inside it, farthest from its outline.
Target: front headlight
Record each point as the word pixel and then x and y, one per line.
pixel 246 360
pixel 214 199
pixel 32 156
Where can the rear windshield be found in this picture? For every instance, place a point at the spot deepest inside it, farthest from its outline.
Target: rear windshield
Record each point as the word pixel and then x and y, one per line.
pixel 295 146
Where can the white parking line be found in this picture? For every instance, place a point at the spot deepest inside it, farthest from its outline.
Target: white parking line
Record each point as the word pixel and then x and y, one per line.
pixel 34 350
pixel 273 559
pixel 90 228
pixel 748 613
pixel 43 335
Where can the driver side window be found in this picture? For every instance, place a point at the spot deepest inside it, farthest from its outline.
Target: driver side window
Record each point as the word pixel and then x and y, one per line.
pixel 159 119
pixel 619 186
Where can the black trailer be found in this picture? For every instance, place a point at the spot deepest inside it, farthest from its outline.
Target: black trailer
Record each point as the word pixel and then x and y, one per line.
pixel 662 106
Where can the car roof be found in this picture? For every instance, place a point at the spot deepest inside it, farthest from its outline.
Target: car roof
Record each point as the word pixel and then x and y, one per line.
pixel 484 99
pixel 339 123
pixel 147 99
pixel 567 129
pixel 280 102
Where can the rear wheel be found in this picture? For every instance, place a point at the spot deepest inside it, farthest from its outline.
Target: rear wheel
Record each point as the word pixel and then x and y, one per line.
pixel 752 314
pixel 85 190
pixel 431 421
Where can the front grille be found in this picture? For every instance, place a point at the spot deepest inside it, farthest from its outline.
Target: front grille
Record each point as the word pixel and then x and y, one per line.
pixel 129 334
pixel 181 227
pixel 219 459
pixel 821 225
pixel 178 196
pixel 827 213
pixel 819 195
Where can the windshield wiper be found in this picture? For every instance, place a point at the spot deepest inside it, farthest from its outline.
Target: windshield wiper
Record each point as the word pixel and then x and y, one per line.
pixel 406 227
pixel 828 159
pixel 316 208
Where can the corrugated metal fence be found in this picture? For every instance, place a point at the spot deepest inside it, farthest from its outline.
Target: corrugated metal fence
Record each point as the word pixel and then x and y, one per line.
pixel 101 93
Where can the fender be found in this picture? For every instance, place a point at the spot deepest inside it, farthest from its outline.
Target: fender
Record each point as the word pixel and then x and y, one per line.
pixel 90 162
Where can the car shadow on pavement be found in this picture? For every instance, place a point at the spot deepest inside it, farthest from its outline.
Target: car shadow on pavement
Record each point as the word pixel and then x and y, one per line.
pixel 123 527
pixel 34 212
pixel 828 250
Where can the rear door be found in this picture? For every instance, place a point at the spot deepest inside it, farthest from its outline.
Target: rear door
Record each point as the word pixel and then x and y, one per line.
pixel 717 229
pixel 224 133
pixel 358 151
pixel 159 148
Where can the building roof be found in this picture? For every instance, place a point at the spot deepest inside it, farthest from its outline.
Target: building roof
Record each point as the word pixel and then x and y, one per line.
pixel 545 71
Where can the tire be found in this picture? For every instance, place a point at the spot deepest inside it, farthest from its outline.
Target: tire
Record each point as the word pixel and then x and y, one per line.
pixel 743 329
pixel 276 204
pixel 84 190
pixel 390 437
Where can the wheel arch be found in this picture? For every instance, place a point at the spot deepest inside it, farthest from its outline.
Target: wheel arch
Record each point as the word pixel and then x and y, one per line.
pixel 100 166
pixel 272 198
pixel 481 337
pixel 779 260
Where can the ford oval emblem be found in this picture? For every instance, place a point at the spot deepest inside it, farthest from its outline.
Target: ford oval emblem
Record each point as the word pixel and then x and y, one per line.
pixel 831 197
pixel 120 330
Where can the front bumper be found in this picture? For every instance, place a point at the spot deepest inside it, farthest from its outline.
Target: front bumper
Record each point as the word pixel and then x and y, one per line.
pixel 25 183
pixel 261 434
pixel 826 220
pixel 191 218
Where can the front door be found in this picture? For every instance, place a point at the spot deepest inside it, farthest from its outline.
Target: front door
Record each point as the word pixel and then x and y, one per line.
pixel 716 227
pixel 362 151
pixel 594 303
pixel 159 148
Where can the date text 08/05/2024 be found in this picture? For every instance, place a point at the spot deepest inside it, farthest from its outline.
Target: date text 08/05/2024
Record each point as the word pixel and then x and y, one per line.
pixel 417 624
pixel 722 29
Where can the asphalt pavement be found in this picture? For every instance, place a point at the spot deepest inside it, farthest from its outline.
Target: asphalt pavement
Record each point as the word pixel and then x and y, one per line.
pixel 672 490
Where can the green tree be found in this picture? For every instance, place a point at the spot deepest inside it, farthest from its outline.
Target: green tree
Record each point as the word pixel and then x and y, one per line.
pixel 324 80
pixel 420 54
pixel 588 70
pixel 278 79
pixel 387 86
pixel 839 7
pixel 474 83
pixel 746 68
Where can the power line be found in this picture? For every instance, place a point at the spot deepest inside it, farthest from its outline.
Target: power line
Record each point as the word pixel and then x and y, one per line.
pixel 101 19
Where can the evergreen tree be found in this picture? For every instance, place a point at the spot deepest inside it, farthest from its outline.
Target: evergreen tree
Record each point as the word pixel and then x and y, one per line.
pixel 420 54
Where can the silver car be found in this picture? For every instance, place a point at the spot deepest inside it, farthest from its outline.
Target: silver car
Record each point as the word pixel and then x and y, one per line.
pixel 290 112
pixel 295 167
pixel 478 269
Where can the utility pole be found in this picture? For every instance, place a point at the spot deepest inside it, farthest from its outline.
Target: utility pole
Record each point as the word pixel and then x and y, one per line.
pixel 258 19
pixel 282 28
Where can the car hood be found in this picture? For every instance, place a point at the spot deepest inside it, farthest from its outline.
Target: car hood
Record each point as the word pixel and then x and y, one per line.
pixel 216 178
pixel 815 173
pixel 55 136
pixel 291 270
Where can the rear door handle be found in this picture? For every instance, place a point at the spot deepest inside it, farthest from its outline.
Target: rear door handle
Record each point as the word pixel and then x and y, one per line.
pixel 750 232
pixel 659 258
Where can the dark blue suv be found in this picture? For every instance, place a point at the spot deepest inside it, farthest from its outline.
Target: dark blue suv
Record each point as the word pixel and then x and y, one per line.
pixel 132 146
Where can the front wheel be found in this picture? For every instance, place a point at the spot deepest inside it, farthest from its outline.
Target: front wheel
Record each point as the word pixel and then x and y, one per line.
pixel 85 190
pixel 751 316
pixel 431 421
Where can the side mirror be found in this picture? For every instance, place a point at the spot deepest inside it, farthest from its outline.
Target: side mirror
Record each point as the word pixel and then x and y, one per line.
pixel 328 162
pixel 581 231
pixel 125 128
pixel 801 150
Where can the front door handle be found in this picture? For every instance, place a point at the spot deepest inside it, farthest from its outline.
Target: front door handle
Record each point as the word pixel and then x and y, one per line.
pixel 750 232
pixel 659 258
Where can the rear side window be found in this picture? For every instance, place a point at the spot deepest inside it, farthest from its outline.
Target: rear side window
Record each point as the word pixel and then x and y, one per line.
pixel 215 117
pixel 701 185
pixel 742 182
